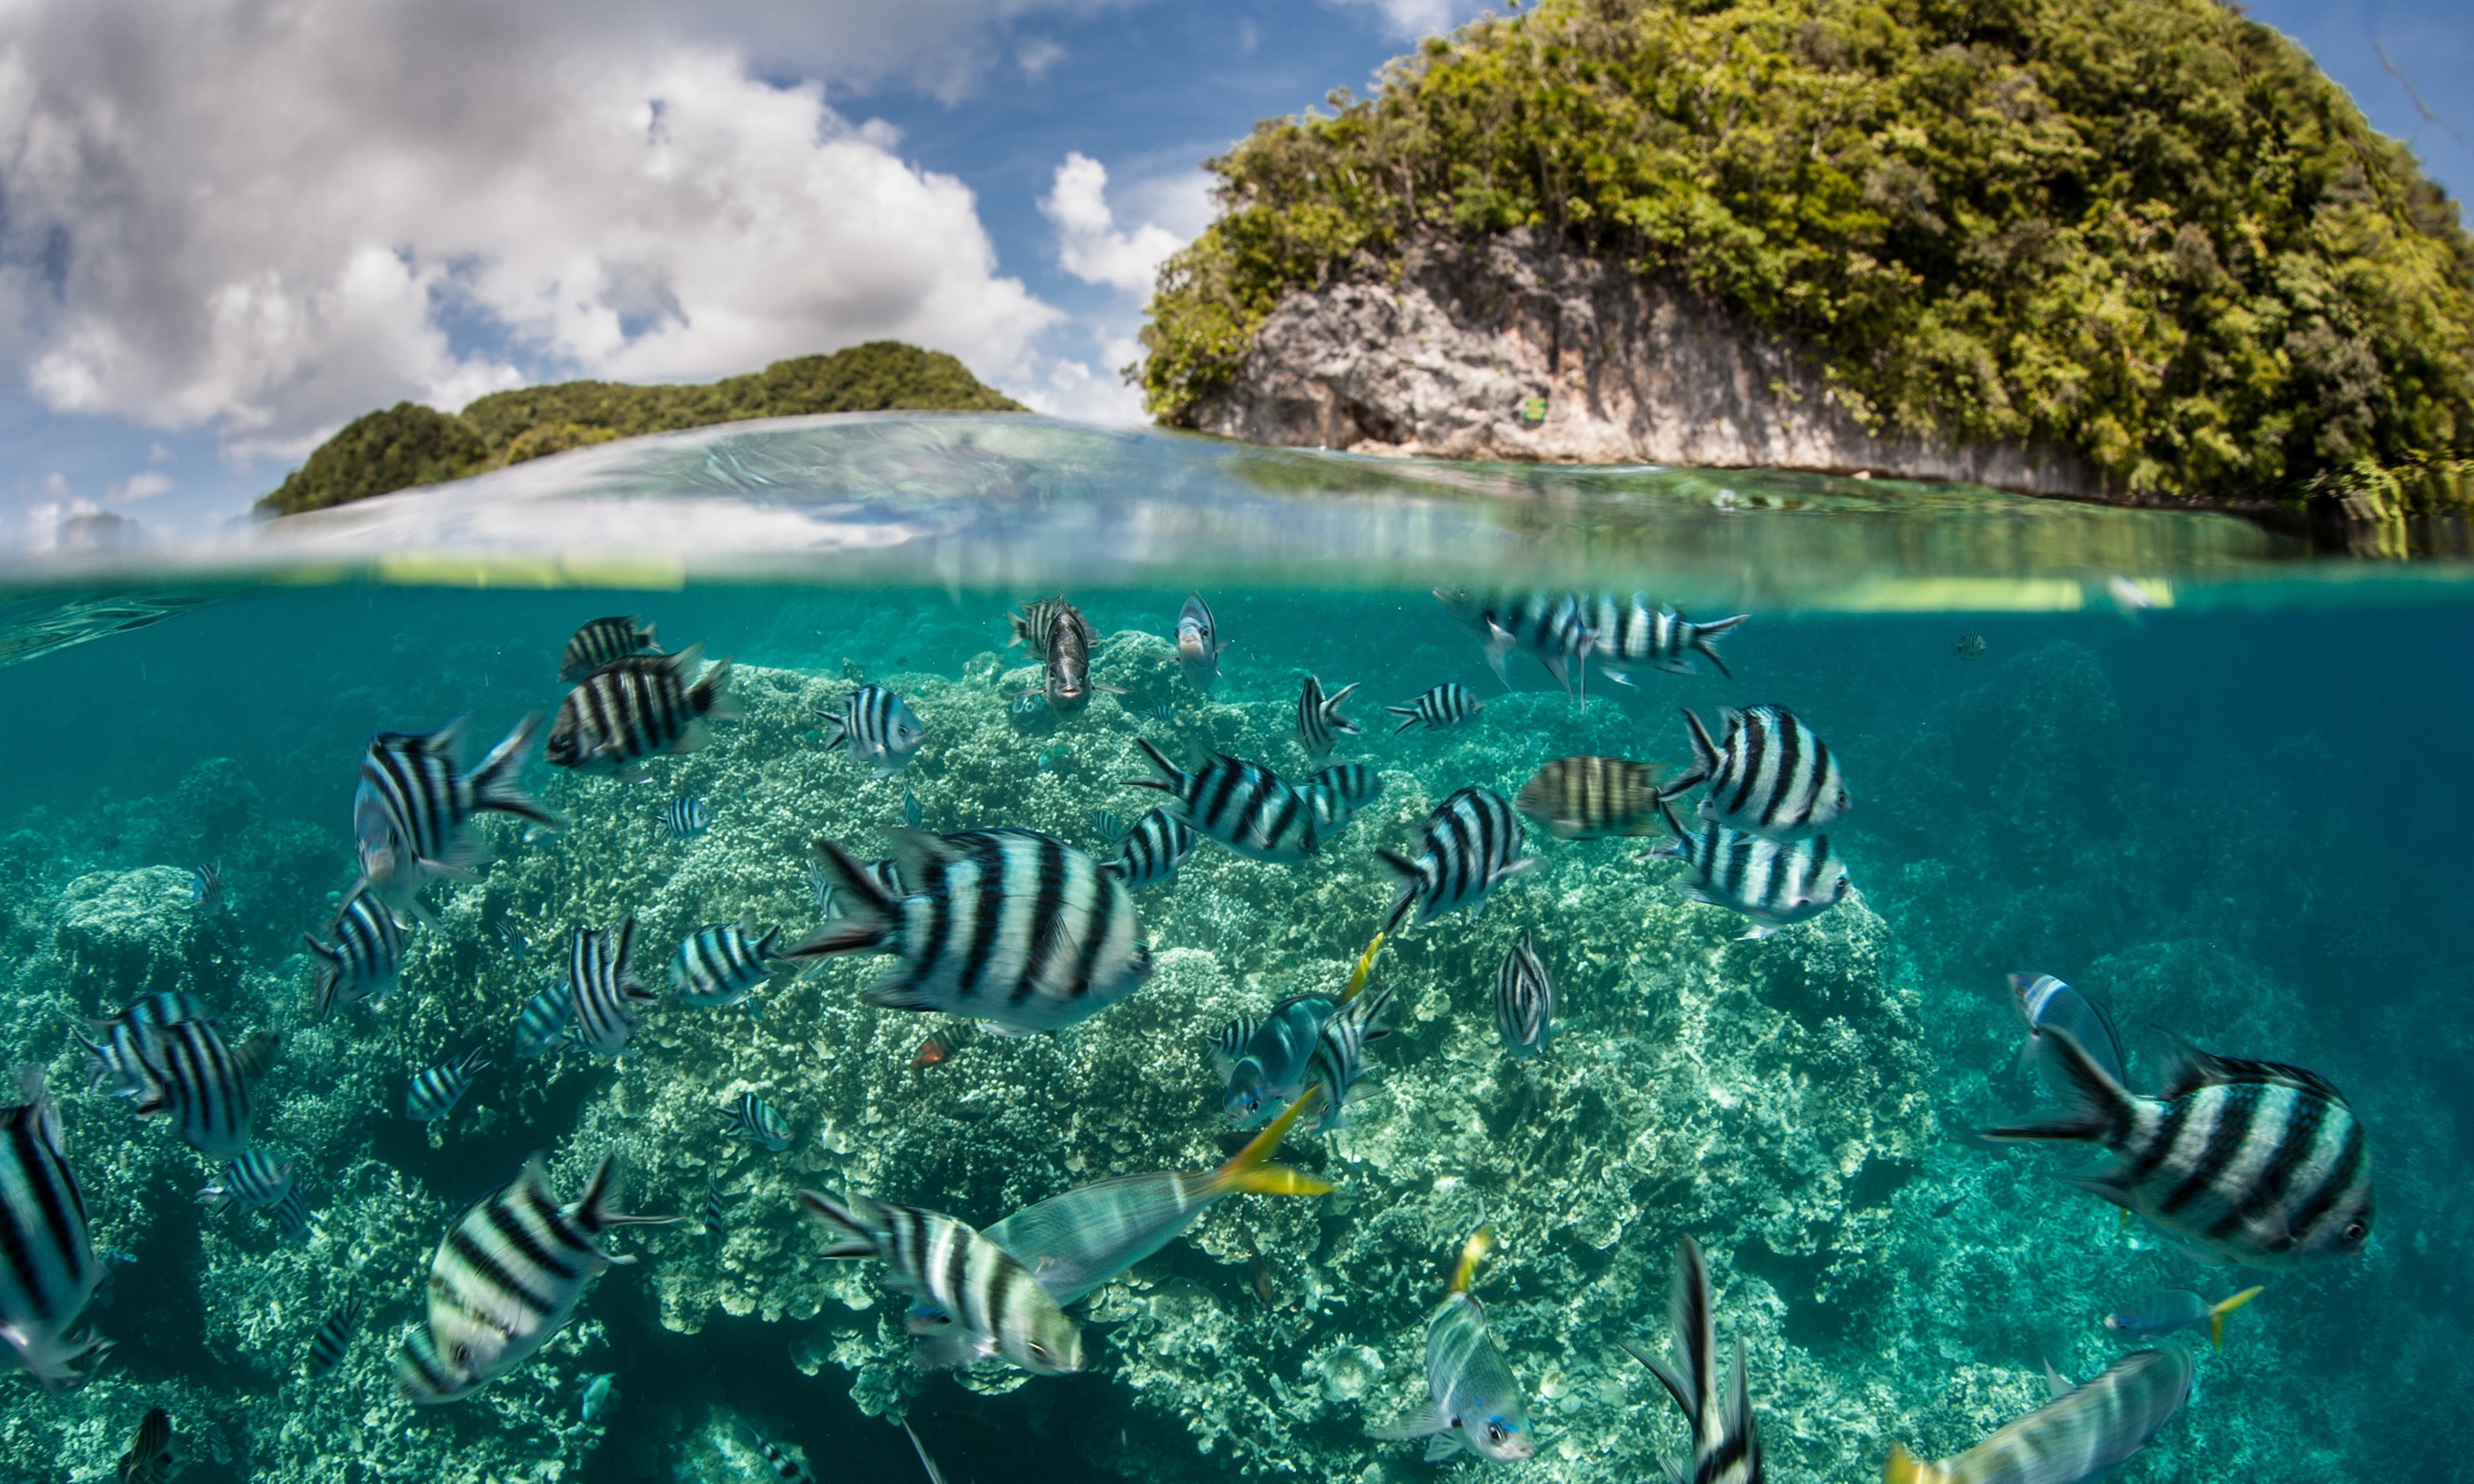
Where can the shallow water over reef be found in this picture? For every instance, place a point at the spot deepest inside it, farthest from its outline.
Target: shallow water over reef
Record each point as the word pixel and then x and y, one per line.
pixel 2207 778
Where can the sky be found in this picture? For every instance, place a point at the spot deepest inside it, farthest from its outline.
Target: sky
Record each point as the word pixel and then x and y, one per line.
pixel 227 227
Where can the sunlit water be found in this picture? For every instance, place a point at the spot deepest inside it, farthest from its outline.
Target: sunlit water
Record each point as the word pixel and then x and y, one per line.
pixel 2210 778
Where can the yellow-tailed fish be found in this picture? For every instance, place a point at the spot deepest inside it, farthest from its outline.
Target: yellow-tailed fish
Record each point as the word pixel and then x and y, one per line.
pixel 1477 1400
pixel 2083 1431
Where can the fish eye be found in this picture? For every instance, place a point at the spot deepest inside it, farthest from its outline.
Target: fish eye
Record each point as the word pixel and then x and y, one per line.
pixel 1039 1350
pixel 1495 1432
pixel 2356 1231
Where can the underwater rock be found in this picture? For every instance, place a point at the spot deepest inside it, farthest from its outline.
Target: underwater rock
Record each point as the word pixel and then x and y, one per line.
pixel 127 933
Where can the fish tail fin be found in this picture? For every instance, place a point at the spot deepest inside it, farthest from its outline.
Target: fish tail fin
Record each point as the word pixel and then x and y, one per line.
pixel 1250 1168
pixel 867 914
pixel 2217 1313
pixel 1475 1248
pixel 1902 1467
pixel 837 730
pixel 1365 966
pixel 1408 715
pixel 1331 708
pixel 1172 778
pixel 1411 879
pixel 494 782
pixel 2101 1110
pixel 705 697
pixel 1705 757
pixel 848 1230
pixel 1703 636
pixel 598 1209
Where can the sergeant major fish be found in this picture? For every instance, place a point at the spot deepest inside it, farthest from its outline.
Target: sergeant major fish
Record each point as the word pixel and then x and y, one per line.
pixel 605 990
pixel 1068 683
pixel 253 1182
pixel 205 888
pixel 412 813
pixel 1630 636
pixel 1445 705
pixel 542 1021
pixel 1244 805
pixel 686 818
pixel 435 1090
pixel 2172 1310
pixel 1198 644
pixel 1318 718
pixel 1470 845
pixel 365 959
pixel 1771 776
pixel 639 707
pixel 203 1083
pixel 1726 1442
pixel 1340 790
pixel 602 640
pixel 1033 625
pixel 722 966
pixel 756 1121
pixel 1589 798
pixel 875 726
pixel 148 1459
pixel 114 1043
pixel 1477 1404
pixel 990 1302
pixel 52 1270
pixel 1524 1000
pixel 333 1339
pixel 1775 883
pixel 1554 627
pixel 1149 853
pixel 2082 1432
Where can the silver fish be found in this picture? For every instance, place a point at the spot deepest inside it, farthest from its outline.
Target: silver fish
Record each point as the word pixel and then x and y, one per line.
pixel 2172 1310
pixel 722 966
pixel 206 887
pixel 1318 718
pixel 254 1182
pixel 1199 645
pixel 1149 853
pixel 412 813
pixel 113 1043
pixel 2082 1432
pixel 2044 1001
pixel 1339 1056
pixel 602 640
pixel 1590 798
pixel 1775 883
pixel 52 1270
pixel 1726 1442
pixel 875 726
pixel 367 956
pixel 1031 626
pixel 639 707
pixel 542 1021
pixel 599 1392
pixel 1524 1000
pixel 333 1339
pixel 990 1302
pixel 1340 790
pixel 1471 844
pixel 686 818
pixel 1553 628
pixel 192 1074
pixel 1477 1404
pixel 1069 686
pixel 1263 1061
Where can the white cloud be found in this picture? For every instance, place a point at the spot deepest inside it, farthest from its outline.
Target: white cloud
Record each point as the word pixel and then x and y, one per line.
pixel 1414 19
pixel 1038 54
pixel 265 220
pixel 1089 245
pixel 144 485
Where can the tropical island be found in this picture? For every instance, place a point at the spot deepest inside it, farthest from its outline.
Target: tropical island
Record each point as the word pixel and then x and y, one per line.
pixel 2130 250
pixel 409 444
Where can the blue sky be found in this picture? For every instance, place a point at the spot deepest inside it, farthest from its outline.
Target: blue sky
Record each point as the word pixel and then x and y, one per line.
pixel 252 251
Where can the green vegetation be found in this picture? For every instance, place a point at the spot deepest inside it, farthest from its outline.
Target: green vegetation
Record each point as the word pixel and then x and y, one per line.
pixel 410 445
pixel 2148 230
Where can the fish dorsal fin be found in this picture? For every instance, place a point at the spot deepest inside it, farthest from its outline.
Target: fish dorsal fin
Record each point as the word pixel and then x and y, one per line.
pixel 914 850
pixel 2193 1068
pixel 2056 1382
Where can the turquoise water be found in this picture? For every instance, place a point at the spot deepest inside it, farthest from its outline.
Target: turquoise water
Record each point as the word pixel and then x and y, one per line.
pixel 2221 796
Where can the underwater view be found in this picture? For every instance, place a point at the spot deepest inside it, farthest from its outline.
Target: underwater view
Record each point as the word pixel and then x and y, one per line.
pixel 1176 962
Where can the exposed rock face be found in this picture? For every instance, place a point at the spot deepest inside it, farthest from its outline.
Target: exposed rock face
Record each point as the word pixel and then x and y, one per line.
pixel 1440 364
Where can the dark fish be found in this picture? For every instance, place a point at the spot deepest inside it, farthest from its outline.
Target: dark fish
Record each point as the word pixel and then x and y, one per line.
pixel 1777 883
pixel 1726 1442
pixel 542 1021
pixel 686 818
pixel 1069 684
pixel 2082 1432
pixel 722 966
pixel 51 1270
pixel 1445 705
pixel 605 992
pixel 2044 1001
pixel 1631 636
pixel 1258 1273
pixel 1150 852
pixel 1589 797
pixel 1318 718
pixel 911 813
pixel 1771 776
pixel 253 1182
pixel 1470 843
pixel 1554 627
pixel 1524 1000
pixel 513 941
pixel 2257 1162
pixel 1969 646
pixel 714 1215
pixel 758 1123
pixel 598 1394
pixel 2172 1310
pixel 1010 926
pixel 436 1090
pixel 206 887
pixel 1477 1404
pixel 1198 644
pixel 148 1459
pixel 874 723
pixel 784 1469
pixel 1162 713
pixel 504 1280
pixel 602 640
pixel 366 957
pixel 989 1303
pixel 1244 805
pixel 334 1338
pixel 412 813
pixel 932 1052
pixel 291 1214
pixel 1033 625
pixel 1338 792
pixel 639 707
pixel 192 1074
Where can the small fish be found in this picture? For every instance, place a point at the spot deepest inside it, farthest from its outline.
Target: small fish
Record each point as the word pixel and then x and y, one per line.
pixel 1969 646
pixel 367 956
pixel 52 1270
pixel 599 1392
pixel 1524 1000
pixel 1010 926
pixel 1470 845
pixel 1046 761
pixel 1244 805
pixel 758 1123
pixel 636 707
pixel 1258 1273
pixel 201 1082
pixel 722 966
pixel 935 1476
pixel 1554 627
pixel 1069 684
pixel 505 1279
pixel 1165 711
pixel 602 640
pixel 1340 790
pixel 254 1182
pixel 513 941
pixel 148 1459
pixel 2256 1163
pixel 686 818
pixel 714 1215
pixel 205 888
pixel 605 993
pixel 1199 645
pixel 1726 1442
pixel 1031 626
pixel 990 1302
pixel 542 1021
pixel 1477 1404
pixel 875 726
pixel 1318 718
pixel 2082 1432
pixel 1445 705
pixel 333 1339
pixel 1030 703
pixel 911 813
pixel 784 1469
pixel 1263 1063
pixel 291 1214
pixel 1771 776
pixel 1149 853
pixel 1589 797
pixel 2172 1310
pixel 1776 883
pixel 436 1090
pixel 1339 1056
pixel 932 1052
pixel 1942 1212
pixel 2043 1001
pixel 412 813
pixel 1632 636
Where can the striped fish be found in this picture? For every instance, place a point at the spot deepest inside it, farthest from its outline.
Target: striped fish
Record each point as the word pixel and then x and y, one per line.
pixel 722 966
pixel 874 723
pixel 253 1182
pixel 1771 776
pixel 1471 843
pixel 1777 883
pixel 51 1268
pixel 505 1279
pixel 1524 1000
pixel 291 1214
pixel 758 1123
pixel 1553 628
pixel 1338 792
pixel 1016 927
pixel 714 1215
pixel 542 1021
pixel 148 1459
pixel 639 707
pixel 1318 718
pixel 1263 1061
pixel 1072 1243
pixel 2256 1163
pixel 1243 805
pixel 333 1339
pixel 206 887
pixel 367 956
pixel 1150 852
pixel 1589 798
pixel 2044 1001
pixel 686 818
pixel 1726 1441
pixel 1068 685
pixel 412 813
pixel 989 1303
pixel 1477 1404
pixel 436 1090
pixel 2082 1432
pixel 1339 1056
pixel 1445 706
pixel 1031 626
pixel 1632 636
pixel 1199 645
pixel 113 1043
pixel 784 1469
pixel 605 992
pixel 602 640
pixel 203 1083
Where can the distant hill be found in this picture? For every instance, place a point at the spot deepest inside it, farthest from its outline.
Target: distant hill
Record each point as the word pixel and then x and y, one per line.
pixel 410 445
